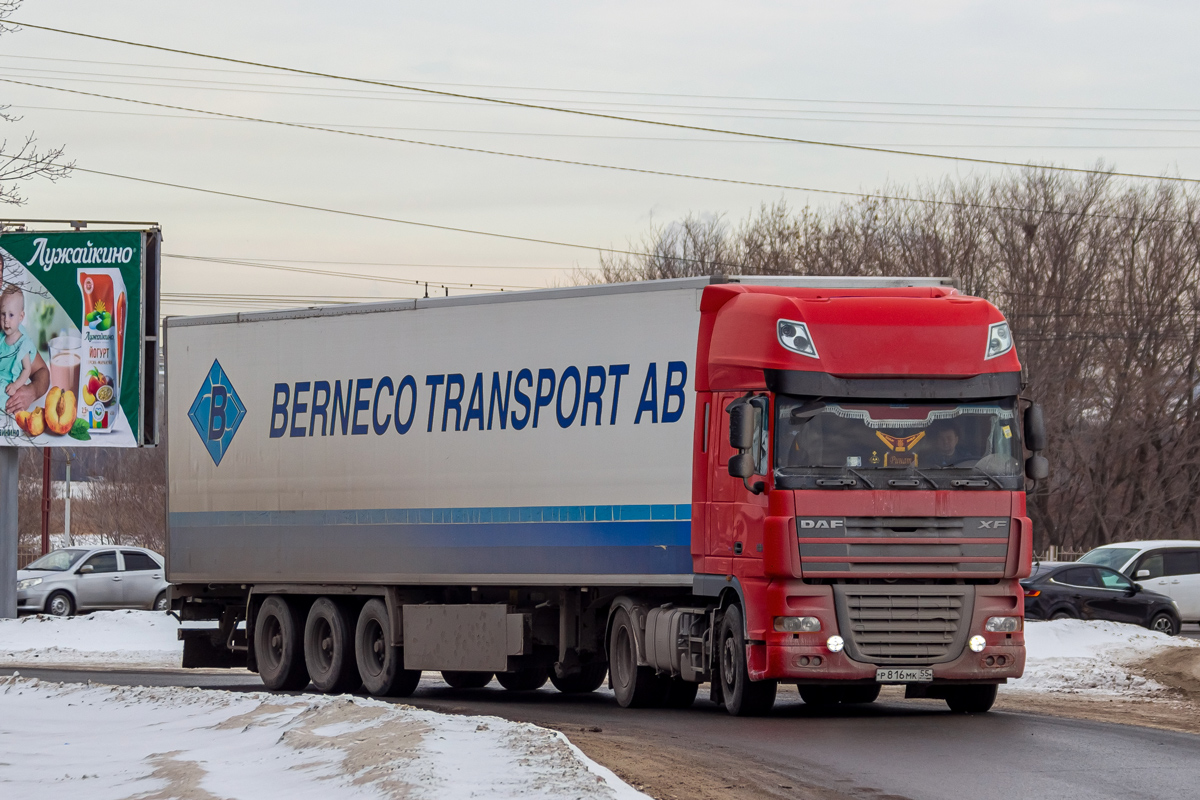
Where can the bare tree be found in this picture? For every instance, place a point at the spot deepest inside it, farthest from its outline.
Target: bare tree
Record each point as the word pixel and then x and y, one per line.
pixel 24 161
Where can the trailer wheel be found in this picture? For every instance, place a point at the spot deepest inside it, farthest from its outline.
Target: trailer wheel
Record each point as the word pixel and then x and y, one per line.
pixel 380 667
pixel 277 646
pixel 743 697
pixel 634 686
pixel 461 679
pixel 329 648
pixel 974 699
pixel 588 679
pixel 524 680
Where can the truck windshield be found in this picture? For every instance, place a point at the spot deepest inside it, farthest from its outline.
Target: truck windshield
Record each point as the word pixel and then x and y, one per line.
pixel 886 445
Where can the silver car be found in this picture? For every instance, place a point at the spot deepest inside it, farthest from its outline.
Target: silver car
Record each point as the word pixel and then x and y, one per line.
pixel 92 578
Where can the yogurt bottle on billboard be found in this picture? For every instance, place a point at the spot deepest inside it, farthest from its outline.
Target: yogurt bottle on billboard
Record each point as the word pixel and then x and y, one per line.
pixel 103 332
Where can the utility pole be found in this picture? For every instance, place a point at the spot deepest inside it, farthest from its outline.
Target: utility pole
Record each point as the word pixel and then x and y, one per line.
pixel 45 500
pixel 67 511
pixel 9 466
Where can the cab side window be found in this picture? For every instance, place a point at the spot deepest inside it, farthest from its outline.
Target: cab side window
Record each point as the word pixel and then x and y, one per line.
pixel 138 562
pixel 1183 562
pixel 1079 576
pixel 1152 564
pixel 1115 580
pixel 102 562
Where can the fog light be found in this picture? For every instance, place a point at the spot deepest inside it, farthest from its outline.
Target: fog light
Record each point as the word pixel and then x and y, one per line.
pixel 1003 624
pixel 836 643
pixel 797 624
pixel 977 643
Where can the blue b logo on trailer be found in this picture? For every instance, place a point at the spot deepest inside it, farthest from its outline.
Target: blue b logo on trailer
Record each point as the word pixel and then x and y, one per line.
pixel 216 412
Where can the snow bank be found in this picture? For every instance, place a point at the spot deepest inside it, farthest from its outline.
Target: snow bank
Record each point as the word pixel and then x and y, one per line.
pixel 68 741
pixel 1074 656
pixel 102 638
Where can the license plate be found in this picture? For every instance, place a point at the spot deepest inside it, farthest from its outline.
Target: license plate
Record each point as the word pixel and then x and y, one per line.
pixel 904 675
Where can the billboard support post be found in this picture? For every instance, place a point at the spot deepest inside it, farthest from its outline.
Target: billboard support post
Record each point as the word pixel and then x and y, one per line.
pixel 8 532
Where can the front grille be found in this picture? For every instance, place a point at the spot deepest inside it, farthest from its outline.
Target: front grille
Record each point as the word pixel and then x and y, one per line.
pixel 908 547
pixel 903 625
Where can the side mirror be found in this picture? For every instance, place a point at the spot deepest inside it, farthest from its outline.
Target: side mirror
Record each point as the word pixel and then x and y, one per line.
pixel 741 426
pixel 1037 468
pixel 741 465
pixel 1142 573
pixel 1137 587
pixel 86 569
pixel 1035 428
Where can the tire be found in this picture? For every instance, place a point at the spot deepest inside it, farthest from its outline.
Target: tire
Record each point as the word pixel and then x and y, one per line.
pixel 60 604
pixel 160 602
pixel 743 697
pixel 680 693
pixel 380 668
pixel 457 679
pixel 856 695
pixel 1165 623
pixel 588 679
pixel 525 680
pixel 278 646
pixel 974 699
pixel 329 648
pixel 1062 615
pixel 634 686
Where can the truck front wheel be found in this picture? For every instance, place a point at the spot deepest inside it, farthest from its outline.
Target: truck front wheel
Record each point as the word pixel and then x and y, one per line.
pixel 380 667
pixel 588 679
pixel 743 697
pixel 974 699
pixel 329 648
pixel 277 646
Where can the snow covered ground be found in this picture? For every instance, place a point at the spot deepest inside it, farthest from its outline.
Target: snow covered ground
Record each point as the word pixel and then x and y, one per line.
pixel 100 639
pixel 100 742
pixel 1072 656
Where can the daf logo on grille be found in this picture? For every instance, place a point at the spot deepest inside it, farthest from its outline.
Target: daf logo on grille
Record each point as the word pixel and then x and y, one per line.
pixel 822 523
pixel 993 523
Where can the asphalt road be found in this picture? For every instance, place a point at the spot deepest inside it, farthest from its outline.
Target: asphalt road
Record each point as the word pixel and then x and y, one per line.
pixel 885 751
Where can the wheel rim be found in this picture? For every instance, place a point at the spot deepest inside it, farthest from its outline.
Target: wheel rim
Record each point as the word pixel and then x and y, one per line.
pixel 377 647
pixel 59 606
pixel 273 635
pixel 324 637
pixel 160 604
pixel 1163 625
pixel 729 662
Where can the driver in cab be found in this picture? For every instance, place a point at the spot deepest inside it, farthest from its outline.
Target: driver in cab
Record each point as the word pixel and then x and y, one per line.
pixel 946 450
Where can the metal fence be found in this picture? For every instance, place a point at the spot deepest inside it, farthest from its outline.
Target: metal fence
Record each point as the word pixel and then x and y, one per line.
pixel 1054 553
pixel 27 553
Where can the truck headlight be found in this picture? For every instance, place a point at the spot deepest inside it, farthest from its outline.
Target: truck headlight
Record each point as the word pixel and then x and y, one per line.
pixel 835 644
pixel 977 643
pixel 28 583
pixel 795 337
pixel 797 624
pixel 1002 624
pixel 999 340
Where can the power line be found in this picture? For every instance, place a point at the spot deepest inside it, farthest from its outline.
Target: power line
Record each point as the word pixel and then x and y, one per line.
pixel 239 259
pixel 602 136
pixel 594 114
pixel 340 274
pixel 654 94
pixel 694 110
pixel 546 159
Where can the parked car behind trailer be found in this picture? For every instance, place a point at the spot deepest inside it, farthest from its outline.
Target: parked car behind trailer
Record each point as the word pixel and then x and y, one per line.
pixel 74 579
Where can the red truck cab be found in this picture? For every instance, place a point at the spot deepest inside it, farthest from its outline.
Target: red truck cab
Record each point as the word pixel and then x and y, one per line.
pixel 859 483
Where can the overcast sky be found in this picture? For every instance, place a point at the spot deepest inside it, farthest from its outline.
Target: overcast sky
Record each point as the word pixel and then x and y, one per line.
pixel 922 76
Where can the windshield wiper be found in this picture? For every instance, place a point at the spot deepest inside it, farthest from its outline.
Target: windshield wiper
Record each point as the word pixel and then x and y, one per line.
pixel 861 477
pixel 993 479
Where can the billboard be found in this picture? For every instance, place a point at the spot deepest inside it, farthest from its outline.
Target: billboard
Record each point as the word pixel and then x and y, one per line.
pixel 78 338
